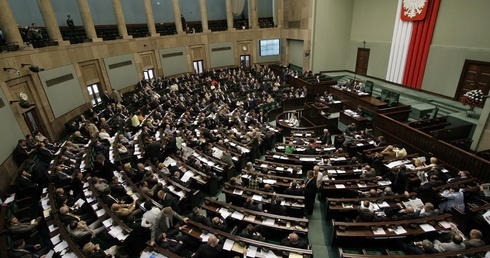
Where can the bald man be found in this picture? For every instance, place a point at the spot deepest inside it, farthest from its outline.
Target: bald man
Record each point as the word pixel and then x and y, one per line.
pixel 293 240
pixel 211 249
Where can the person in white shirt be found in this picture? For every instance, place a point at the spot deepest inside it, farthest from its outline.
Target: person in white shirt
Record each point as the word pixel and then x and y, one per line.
pixel 293 121
pixel 150 215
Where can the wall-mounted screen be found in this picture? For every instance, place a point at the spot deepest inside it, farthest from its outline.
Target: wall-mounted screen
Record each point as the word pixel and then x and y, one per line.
pixel 269 47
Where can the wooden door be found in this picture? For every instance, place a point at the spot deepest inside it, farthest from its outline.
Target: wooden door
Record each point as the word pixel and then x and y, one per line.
pixel 475 76
pixel 362 61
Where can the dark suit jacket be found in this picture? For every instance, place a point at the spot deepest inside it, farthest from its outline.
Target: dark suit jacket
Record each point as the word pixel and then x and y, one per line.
pixel 301 243
pixel 207 251
pixel 310 188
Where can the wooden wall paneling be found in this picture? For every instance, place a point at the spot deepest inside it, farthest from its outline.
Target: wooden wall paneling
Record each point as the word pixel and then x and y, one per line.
pixel 456 159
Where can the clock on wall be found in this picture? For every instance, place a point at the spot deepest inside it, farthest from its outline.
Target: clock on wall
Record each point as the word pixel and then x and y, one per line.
pixel 23 96
pixel 244 48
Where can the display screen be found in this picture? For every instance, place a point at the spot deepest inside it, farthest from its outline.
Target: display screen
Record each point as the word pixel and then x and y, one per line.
pixel 269 47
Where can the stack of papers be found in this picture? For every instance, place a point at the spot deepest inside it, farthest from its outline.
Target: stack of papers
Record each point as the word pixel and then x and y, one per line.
pixel 379 231
pixel 427 227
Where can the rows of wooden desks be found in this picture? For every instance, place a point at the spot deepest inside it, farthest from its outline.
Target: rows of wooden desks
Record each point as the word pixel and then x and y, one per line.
pixel 276 225
pixel 345 232
pixel 237 244
pixel 279 169
pixel 239 194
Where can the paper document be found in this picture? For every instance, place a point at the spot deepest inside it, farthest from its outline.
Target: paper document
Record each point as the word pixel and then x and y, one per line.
pixel 427 227
pixel 228 244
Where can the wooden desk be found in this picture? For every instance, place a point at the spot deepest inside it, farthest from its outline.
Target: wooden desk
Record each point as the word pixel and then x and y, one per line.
pixel 354 100
pixel 348 231
pixel 195 230
pixel 472 252
pixel 279 183
pixel 280 169
pixel 343 207
pixel 238 194
pixel 281 223
pixel 360 121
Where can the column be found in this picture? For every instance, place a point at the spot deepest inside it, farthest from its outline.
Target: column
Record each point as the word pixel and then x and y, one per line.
pixel 279 13
pixel 150 20
pixel 229 15
pixel 8 24
pixel 177 13
pixel 121 23
pixel 50 22
pixel 88 22
pixel 204 15
pixel 253 14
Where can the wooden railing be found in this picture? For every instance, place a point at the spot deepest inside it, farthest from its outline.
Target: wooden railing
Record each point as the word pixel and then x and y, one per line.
pixel 415 140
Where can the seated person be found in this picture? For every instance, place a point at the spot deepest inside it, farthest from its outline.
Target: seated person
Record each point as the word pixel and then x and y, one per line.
pixel 365 212
pixel 276 206
pixel 149 191
pixel 249 205
pixel 293 240
pixel 294 189
pixel 217 223
pixel 409 213
pixel 293 121
pixel 420 247
pixel 20 249
pixel 79 229
pixel 389 152
pixel 253 232
pixel 453 198
pixel 126 211
pixel 289 149
pixel 210 249
pixel 456 244
pixel 475 239
pixel 66 216
pixel 429 210
pixel 17 228
pixel 92 250
pixel 197 216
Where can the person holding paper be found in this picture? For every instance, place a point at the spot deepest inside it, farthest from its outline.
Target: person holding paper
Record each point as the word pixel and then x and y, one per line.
pixel 453 198
pixel 17 228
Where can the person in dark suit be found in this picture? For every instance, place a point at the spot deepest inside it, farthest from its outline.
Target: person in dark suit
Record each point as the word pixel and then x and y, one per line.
pixel 218 223
pixel 39 173
pixel 399 180
pixel 153 151
pixel 103 168
pixel 310 190
pixel 24 181
pixel 197 216
pixel 211 249
pixel 77 183
pixel 22 250
pixel 326 137
pixel 294 190
pixel 276 206
pixel 21 152
pixel 293 240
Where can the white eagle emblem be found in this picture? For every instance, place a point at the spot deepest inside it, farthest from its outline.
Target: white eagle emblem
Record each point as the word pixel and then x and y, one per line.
pixel 413 7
